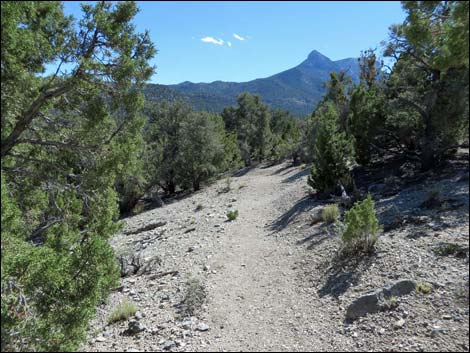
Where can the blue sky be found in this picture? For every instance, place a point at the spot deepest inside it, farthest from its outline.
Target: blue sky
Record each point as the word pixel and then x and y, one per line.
pixel 241 41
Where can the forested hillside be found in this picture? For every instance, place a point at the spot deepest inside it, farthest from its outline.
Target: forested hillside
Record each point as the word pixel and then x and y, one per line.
pixel 82 149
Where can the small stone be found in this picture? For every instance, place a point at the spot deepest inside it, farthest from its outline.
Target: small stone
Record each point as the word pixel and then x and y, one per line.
pixel 436 330
pixel 135 327
pixel 138 315
pixel 168 345
pixel 399 324
pixel 132 350
pixel 202 327
pixel 187 324
pixel 100 339
pixel 447 317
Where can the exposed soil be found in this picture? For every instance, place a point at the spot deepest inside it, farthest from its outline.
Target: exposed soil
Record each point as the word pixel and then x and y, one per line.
pixel 274 282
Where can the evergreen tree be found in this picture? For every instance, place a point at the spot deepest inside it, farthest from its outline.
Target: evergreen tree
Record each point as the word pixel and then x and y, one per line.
pixel 332 151
pixel 368 109
pixel 431 73
pixel 65 138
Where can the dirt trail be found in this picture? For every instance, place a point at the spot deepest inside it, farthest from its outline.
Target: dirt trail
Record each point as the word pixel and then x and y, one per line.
pixel 254 295
pixel 272 281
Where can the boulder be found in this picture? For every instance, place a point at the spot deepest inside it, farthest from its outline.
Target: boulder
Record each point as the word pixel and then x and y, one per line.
pixel 366 304
pixel 374 302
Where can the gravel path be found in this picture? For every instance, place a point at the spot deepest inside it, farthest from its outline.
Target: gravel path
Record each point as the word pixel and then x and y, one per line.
pixel 272 281
pixel 254 301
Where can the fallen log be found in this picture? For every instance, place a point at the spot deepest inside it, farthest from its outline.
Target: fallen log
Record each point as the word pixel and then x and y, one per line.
pixel 163 274
pixel 145 228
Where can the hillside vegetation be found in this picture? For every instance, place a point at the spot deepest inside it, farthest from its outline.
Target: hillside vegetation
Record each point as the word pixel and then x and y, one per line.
pixel 82 149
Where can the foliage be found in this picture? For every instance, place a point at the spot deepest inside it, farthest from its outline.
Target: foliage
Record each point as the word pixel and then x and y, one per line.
pixel 251 122
pixel 332 150
pixel 285 136
pixel 368 109
pixel 362 227
pixel 232 215
pixel 186 148
pixel 447 249
pixel 227 187
pixel 201 149
pixel 433 199
pixel 122 311
pixel 65 139
pixel 330 214
pixel 194 296
pixel 430 78
pixel 424 288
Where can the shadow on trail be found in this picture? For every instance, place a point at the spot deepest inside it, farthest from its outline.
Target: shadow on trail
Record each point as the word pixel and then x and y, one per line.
pixel 318 236
pixel 243 171
pixel 304 204
pixel 282 169
pixel 344 273
pixel 296 176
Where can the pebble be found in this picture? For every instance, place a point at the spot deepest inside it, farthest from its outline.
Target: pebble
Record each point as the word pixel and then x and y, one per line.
pixel 135 326
pixel 187 324
pixel 202 327
pixel 399 324
pixel 436 330
pixel 168 345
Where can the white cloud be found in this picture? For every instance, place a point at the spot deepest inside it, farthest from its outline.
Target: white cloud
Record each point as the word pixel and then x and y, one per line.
pixel 212 40
pixel 239 37
pixel 229 44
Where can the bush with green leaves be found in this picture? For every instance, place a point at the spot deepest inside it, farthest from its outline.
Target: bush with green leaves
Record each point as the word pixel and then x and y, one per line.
pixel 187 148
pixel 251 121
pixel 122 311
pixel 333 152
pixel 66 137
pixel 330 214
pixel 194 296
pixel 232 215
pixel 361 227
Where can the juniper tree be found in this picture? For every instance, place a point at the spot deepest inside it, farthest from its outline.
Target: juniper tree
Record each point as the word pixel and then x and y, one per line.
pixel 66 136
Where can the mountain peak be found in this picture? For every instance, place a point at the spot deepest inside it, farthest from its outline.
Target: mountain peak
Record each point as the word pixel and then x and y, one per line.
pixel 316 59
pixel 315 54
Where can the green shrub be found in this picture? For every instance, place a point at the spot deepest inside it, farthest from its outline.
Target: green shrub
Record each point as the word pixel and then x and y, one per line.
pixel 123 310
pixel 449 249
pixel 424 288
pixel 333 151
pixel 49 293
pixel 194 297
pixel 362 227
pixel 138 208
pixel 392 302
pixel 227 187
pixel 232 215
pixel 330 213
pixel 433 199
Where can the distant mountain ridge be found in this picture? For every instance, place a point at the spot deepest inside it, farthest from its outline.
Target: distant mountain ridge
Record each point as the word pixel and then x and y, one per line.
pixel 296 90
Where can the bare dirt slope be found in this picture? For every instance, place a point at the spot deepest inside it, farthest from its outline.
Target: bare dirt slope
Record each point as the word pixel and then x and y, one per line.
pixel 275 283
